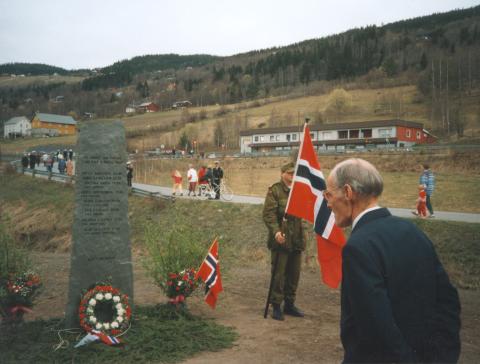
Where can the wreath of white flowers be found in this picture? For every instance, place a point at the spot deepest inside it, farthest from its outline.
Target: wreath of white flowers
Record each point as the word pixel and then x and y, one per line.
pixel 121 310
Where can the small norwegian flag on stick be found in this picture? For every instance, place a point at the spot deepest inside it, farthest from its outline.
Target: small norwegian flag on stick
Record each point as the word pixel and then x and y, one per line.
pixel 209 272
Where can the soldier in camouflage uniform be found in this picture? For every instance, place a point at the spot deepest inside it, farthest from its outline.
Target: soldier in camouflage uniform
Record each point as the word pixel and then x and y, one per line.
pixel 286 242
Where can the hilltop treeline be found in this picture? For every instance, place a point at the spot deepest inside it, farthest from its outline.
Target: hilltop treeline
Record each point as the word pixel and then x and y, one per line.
pixel 33 69
pixel 122 73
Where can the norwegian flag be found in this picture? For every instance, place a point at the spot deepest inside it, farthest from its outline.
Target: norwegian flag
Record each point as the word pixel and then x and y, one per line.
pixel 307 202
pixel 209 272
pixel 106 339
pixel 95 335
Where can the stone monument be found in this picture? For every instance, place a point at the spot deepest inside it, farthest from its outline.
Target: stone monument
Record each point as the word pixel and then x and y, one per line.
pixel 101 234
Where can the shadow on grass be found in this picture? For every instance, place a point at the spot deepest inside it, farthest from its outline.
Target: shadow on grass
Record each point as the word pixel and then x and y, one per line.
pixel 158 334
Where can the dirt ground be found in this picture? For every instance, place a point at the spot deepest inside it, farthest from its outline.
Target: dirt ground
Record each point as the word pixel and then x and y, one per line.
pixel 313 339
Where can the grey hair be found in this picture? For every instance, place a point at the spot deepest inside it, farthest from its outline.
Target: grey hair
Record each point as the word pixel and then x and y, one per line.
pixel 359 174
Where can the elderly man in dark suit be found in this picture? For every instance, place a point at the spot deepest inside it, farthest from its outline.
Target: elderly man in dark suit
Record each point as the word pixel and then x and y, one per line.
pixel 397 303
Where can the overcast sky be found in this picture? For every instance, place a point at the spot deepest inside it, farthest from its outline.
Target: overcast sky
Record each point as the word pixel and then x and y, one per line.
pixel 95 33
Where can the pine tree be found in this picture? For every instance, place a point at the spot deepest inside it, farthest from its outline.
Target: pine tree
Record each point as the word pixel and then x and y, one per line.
pixel 423 61
pixel 184 142
pixel 218 134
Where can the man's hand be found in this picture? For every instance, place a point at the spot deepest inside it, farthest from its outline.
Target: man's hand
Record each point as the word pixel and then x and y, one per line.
pixel 280 237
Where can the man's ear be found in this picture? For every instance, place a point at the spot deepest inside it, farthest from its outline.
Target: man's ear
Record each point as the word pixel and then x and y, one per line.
pixel 347 189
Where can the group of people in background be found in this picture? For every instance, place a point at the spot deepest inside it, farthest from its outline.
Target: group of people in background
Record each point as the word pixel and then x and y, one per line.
pixel 199 180
pixel 64 160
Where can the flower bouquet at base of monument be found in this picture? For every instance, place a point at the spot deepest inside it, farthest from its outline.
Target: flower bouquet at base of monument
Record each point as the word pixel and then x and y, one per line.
pixel 17 294
pixel 179 286
pixel 172 254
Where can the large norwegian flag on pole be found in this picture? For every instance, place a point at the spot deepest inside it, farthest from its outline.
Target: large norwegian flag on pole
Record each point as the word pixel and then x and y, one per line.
pixel 307 202
pixel 209 272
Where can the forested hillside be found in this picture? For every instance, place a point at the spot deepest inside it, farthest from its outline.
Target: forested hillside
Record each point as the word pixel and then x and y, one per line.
pixel 439 53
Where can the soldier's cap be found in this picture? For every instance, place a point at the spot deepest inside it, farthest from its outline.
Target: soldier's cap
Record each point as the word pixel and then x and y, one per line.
pixel 288 168
pixel 217 162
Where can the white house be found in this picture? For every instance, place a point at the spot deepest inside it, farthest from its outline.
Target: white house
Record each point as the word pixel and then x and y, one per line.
pixel 131 109
pixel 338 137
pixel 16 127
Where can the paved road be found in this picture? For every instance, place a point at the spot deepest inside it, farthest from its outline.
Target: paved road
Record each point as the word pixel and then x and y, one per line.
pixel 406 213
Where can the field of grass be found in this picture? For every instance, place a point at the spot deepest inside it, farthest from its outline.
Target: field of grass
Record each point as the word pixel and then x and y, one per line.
pixel 240 228
pixel 18 146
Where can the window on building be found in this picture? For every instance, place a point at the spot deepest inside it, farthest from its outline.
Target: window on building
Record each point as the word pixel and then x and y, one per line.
pixel 327 135
pixel 408 133
pixel 262 138
pixel 312 135
pixel 288 137
pixel 255 139
pixel 354 133
pixel 277 137
pixel 343 134
pixel 294 136
pixel 385 133
pixel 272 138
pixel 367 133
pixel 419 134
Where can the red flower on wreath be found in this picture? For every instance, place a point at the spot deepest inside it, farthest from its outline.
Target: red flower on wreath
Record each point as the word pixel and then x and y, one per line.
pixel 119 305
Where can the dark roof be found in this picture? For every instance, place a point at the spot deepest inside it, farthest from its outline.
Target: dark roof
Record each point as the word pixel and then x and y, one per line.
pixel 285 129
pixel 336 126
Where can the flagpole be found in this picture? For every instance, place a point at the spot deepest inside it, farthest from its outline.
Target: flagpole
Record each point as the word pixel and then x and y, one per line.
pixel 275 263
pixel 296 163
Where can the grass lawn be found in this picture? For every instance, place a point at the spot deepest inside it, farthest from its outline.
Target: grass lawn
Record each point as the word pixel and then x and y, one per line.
pixel 18 146
pixel 158 334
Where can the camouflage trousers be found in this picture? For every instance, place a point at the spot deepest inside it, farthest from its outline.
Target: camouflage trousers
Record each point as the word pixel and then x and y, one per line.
pixel 286 276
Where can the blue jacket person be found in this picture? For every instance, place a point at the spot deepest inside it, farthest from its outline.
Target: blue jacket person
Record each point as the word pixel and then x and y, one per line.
pixel 397 303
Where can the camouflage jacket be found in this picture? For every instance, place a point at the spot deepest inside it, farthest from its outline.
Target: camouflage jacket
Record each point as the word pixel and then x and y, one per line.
pixel 273 212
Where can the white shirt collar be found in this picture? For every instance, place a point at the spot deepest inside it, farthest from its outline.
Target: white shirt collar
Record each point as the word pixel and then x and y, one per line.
pixel 359 216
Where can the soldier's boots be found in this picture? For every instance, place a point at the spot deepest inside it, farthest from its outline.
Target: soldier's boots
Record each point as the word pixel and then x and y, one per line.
pixel 277 313
pixel 292 310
